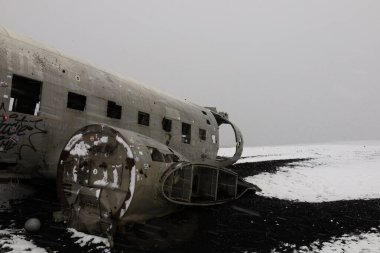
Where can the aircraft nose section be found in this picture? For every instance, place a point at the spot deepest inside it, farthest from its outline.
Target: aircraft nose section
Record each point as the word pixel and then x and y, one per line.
pixel 95 178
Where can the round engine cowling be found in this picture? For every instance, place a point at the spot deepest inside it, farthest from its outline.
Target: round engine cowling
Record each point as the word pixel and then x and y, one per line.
pixel 96 178
pixel 108 177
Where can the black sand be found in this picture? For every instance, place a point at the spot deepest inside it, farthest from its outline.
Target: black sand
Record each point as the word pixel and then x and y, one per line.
pixel 252 223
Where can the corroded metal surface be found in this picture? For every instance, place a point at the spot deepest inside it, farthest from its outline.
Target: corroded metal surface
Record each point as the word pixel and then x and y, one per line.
pixel 110 177
pixel 96 178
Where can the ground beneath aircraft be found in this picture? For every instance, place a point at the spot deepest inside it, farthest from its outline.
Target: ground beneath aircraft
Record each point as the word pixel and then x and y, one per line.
pixel 316 198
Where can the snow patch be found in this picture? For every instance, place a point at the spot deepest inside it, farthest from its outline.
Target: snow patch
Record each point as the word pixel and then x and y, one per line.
pixel 72 141
pixel 84 239
pixel 103 139
pixel 103 181
pixel 335 172
pixel 115 173
pixel 15 241
pixel 80 149
pixel 271 153
pixel 364 242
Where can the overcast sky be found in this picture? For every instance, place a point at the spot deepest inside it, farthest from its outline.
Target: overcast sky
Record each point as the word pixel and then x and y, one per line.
pixel 285 71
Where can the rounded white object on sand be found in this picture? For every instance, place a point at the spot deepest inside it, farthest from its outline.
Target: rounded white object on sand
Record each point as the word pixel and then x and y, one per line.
pixel 32 225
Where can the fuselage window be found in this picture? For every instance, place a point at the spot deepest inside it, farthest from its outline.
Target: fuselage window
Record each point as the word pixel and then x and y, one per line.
pixel 202 134
pixel 113 110
pixel 143 118
pixel 168 158
pixel 25 95
pixel 155 154
pixel 173 156
pixel 186 133
pixel 76 101
pixel 166 125
pixel 208 122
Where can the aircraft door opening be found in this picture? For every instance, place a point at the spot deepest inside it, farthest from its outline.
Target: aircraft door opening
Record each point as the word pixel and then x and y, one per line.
pixel 233 136
pixel 25 95
pixel 227 139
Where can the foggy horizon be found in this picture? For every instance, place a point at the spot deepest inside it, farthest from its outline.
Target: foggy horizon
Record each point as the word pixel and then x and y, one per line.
pixel 287 72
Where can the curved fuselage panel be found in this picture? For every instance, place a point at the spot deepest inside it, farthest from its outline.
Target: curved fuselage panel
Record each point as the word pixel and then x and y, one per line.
pixel 46 96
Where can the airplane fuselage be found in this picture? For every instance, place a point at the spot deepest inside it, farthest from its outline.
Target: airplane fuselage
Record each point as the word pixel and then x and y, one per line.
pixel 121 152
pixel 66 94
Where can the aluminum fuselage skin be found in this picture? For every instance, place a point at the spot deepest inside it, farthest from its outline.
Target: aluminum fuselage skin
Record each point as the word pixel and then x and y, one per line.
pixel 31 143
pixel 40 138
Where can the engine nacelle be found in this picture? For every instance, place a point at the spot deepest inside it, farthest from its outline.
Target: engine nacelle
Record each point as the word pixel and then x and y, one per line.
pixel 102 170
pixel 108 177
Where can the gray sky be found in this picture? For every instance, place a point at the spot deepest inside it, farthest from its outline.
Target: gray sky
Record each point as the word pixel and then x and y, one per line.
pixel 286 71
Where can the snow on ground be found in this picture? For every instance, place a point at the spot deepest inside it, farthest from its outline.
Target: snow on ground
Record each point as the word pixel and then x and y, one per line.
pixel 348 243
pixel 83 239
pixel 270 153
pixel 364 243
pixel 344 171
pixel 13 240
pixel 339 171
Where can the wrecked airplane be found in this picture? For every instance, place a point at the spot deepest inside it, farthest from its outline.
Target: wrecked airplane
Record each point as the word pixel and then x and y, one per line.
pixel 120 152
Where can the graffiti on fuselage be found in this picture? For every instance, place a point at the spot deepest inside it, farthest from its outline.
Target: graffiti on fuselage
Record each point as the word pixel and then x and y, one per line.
pixel 15 127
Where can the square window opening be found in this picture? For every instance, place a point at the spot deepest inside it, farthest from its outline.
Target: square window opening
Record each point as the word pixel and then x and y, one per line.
pixel 113 110
pixel 202 134
pixel 143 118
pixel 25 95
pixel 186 133
pixel 76 101
pixel 156 155
pixel 166 125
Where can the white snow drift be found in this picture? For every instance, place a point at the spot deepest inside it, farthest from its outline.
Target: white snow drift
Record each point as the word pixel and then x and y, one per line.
pixel 13 240
pixel 336 171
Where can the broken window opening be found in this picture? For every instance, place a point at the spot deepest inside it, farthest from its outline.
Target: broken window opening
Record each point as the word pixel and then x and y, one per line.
pixel 25 95
pixel 173 156
pixel 143 118
pixel 202 134
pixel 186 133
pixel 166 125
pixel 168 158
pixel 76 101
pixel 113 110
pixel 156 155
